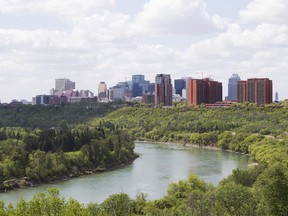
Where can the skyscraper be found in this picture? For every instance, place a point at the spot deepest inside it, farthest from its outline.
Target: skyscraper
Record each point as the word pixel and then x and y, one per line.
pixel 179 85
pixel 203 91
pixel 64 84
pixel 255 90
pixel 276 97
pixel 102 90
pixel 163 90
pixel 139 85
pixel 137 78
pixel 232 87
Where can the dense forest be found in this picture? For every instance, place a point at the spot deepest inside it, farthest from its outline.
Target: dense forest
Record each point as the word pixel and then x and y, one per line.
pixel 40 116
pixel 260 131
pixel 29 156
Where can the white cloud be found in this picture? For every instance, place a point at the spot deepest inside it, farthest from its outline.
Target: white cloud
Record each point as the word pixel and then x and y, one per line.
pixel 271 11
pixel 98 43
pixel 61 8
pixel 101 27
pixel 178 17
pixel 237 42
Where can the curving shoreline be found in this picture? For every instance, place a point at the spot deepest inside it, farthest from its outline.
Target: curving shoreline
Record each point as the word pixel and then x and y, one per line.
pixel 25 182
pixel 189 145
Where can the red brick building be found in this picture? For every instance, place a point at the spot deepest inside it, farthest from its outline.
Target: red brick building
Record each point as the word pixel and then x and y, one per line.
pixel 203 91
pixel 255 90
pixel 163 90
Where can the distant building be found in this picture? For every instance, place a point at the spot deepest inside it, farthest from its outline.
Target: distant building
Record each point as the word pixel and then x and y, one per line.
pixel 151 87
pixel 221 104
pixel 42 99
pixel 139 85
pixel 276 97
pixel 255 90
pixel 57 100
pixel 102 91
pixel 242 89
pixel 116 94
pixel 64 84
pixel 232 87
pixel 86 94
pixel 148 98
pixel 163 90
pixel 179 85
pixel 138 78
pixel 203 91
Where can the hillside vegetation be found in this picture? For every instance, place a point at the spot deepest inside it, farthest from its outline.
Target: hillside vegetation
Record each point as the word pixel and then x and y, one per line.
pixel 260 131
pixel 245 128
pixel 51 116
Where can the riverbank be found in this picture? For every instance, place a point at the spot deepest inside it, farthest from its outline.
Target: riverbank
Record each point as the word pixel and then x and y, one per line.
pixel 25 182
pixel 189 145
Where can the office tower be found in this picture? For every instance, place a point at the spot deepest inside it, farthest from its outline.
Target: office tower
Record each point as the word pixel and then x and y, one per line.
pixel 257 90
pixel 139 85
pixel 179 85
pixel 102 90
pixel 86 94
pixel 163 90
pixel 232 87
pixel 276 97
pixel 64 84
pixel 116 94
pixel 42 99
pixel 203 91
pixel 151 87
pixel 138 78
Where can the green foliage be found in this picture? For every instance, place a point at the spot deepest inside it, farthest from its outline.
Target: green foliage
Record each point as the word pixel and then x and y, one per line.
pixel 117 204
pixel 234 199
pixel 69 150
pixel 272 191
pixel 51 116
pixel 49 154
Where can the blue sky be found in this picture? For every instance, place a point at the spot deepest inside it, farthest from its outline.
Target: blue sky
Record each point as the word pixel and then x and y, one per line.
pixel 90 41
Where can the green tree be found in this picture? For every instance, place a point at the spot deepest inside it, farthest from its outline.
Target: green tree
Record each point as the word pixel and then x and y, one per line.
pixel 118 204
pixel 234 200
pixel 272 191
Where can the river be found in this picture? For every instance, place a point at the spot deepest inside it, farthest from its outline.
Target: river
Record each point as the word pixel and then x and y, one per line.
pixel 157 166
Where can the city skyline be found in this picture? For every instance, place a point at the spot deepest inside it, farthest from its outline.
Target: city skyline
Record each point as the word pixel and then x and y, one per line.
pixel 63 85
pixel 94 41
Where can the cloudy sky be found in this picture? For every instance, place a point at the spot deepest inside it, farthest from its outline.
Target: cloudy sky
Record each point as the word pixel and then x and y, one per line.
pixel 90 41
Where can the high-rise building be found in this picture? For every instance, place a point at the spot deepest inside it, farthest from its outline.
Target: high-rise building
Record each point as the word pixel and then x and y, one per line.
pixel 64 84
pixel 139 85
pixel 42 99
pixel 151 87
pixel 276 97
pixel 255 90
pixel 163 90
pixel 102 91
pixel 232 87
pixel 179 85
pixel 203 91
pixel 242 95
pixel 138 78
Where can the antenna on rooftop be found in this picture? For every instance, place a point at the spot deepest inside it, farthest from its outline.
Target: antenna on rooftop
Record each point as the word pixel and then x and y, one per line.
pixel 200 72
